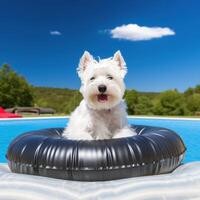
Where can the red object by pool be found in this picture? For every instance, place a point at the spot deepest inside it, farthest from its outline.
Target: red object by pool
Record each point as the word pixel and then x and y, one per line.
pixel 4 114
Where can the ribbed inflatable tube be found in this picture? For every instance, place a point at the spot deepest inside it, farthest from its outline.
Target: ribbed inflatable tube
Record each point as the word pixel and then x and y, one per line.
pixel 46 153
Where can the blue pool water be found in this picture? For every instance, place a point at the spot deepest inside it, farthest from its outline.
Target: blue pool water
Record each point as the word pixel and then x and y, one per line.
pixel 189 130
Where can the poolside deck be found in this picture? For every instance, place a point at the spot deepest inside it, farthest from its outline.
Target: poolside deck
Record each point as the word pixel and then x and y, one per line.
pixel 182 184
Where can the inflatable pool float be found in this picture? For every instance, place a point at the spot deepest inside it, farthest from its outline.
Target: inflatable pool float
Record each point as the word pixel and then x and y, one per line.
pixel 153 150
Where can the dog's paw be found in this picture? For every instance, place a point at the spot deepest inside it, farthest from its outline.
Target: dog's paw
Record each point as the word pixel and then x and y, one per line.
pixel 124 132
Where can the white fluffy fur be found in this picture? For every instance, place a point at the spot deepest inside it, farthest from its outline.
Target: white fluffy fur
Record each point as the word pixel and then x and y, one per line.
pixel 94 119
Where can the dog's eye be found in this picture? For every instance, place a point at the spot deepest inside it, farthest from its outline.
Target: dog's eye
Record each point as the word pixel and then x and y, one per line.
pixel 109 77
pixel 92 78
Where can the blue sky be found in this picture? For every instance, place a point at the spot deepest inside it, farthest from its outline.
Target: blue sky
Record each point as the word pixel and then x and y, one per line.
pixel 43 40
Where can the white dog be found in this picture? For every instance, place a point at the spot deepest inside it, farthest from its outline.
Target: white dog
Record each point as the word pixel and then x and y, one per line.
pixel 102 112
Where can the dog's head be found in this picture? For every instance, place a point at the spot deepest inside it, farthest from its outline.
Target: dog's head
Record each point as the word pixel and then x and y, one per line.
pixel 102 81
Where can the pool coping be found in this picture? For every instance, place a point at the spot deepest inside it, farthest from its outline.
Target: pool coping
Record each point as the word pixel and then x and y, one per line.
pixel 131 117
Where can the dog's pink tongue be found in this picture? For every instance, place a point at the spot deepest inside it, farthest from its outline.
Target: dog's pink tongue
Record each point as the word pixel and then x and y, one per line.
pixel 102 97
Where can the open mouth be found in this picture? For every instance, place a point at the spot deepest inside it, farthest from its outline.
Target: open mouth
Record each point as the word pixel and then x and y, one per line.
pixel 102 98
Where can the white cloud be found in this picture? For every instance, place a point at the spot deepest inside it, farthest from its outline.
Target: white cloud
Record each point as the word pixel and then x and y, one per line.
pixel 55 33
pixel 135 32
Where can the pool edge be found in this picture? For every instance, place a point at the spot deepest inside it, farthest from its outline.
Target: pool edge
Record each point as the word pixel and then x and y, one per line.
pixel 130 117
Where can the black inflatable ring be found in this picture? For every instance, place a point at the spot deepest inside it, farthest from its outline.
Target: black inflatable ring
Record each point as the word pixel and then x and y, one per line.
pixel 45 152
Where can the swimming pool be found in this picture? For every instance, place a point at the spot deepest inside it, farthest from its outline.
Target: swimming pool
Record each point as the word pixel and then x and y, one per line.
pixel 189 130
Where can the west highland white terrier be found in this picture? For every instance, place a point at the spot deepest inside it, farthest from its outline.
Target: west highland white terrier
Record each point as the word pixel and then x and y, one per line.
pixel 102 112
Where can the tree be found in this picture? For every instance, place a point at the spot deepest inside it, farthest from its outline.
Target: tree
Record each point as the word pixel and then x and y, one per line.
pixel 189 91
pixel 144 106
pixel 170 102
pixel 197 89
pixel 131 97
pixel 14 89
pixel 193 103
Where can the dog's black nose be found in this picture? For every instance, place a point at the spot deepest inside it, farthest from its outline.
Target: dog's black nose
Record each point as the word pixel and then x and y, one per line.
pixel 102 88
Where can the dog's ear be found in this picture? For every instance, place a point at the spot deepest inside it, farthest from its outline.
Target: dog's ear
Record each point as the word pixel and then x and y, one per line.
pixel 84 61
pixel 121 63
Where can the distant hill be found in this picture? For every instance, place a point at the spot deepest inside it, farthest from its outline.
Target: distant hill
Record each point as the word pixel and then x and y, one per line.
pixel 151 95
pixel 62 100
pixel 16 91
pixel 65 100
